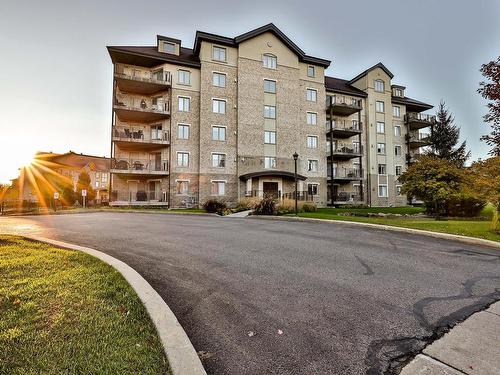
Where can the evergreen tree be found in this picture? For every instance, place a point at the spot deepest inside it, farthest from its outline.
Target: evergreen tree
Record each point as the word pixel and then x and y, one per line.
pixel 444 139
pixel 491 91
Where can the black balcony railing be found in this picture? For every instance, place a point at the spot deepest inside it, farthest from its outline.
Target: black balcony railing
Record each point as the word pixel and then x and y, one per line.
pixel 345 173
pixel 340 125
pixel 138 166
pixel 347 197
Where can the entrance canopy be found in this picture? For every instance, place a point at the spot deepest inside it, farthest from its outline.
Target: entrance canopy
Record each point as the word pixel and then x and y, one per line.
pixel 274 173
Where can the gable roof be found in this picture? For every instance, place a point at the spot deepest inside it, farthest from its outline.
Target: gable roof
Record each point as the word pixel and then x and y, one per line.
pixel 342 86
pixel 73 160
pixel 379 65
pixel 149 56
pixel 270 27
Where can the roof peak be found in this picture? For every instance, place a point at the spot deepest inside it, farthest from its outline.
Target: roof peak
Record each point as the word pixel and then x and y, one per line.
pixel 378 65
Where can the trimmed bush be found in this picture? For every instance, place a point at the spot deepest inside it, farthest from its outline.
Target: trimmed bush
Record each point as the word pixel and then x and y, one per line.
pixel 309 207
pixel 287 206
pixel 215 206
pixel 267 206
pixel 247 203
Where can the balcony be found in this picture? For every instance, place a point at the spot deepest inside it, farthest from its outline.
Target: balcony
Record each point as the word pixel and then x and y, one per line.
pixel 345 174
pixel 341 106
pixel 417 140
pixel 345 197
pixel 418 121
pixel 141 109
pixel 141 81
pixel 344 152
pixel 343 129
pixel 142 167
pixel 140 138
pixel 138 198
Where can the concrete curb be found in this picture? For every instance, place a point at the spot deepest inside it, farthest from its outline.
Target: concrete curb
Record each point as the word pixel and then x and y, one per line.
pixel 180 353
pixel 447 236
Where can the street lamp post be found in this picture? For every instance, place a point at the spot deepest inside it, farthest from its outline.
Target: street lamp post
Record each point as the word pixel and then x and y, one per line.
pixel 295 157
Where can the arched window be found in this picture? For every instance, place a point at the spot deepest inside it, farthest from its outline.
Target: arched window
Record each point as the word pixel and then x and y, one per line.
pixel 269 61
pixel 379 85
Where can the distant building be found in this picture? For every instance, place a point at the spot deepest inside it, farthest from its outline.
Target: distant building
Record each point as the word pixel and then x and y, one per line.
pixel 68 166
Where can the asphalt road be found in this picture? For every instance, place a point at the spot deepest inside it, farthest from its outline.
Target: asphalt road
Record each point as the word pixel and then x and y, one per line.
pixel 275 297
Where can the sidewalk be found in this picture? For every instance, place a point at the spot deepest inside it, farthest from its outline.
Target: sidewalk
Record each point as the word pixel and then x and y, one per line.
pixel 471 347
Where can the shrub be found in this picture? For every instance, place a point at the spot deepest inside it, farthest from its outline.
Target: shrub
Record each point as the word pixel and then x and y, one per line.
pixel 247 203
pixel 309 207
pixel 267 206
pixel 464 204
pixel 215 206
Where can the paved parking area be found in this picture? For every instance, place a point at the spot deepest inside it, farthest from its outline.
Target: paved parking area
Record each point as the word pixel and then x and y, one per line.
pixel 276 297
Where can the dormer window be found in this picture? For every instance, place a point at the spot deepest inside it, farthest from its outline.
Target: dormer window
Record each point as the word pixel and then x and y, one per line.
pixel 398 92
pixel 169 47
pixel 269 61
pixel 379 85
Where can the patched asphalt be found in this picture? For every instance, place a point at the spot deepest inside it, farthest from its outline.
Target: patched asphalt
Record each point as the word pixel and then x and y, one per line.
pixel 277 297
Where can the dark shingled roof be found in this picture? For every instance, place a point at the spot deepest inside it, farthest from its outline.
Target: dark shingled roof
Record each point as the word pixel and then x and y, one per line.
pixel 73 160
pixel 342 86
pixel 149 56
pixel 412 105
pixel 379 65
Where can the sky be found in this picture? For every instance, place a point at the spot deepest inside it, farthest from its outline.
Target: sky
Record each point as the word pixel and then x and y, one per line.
pixel 56 75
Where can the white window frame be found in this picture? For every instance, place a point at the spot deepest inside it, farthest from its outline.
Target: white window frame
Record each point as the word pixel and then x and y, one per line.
pixel 179 124
pixel 219 127
pixel 218 182
pixel 214 58
pixel 217 110
pixel 396 170
pixel 386 191
pixel 400 150
pixel 309 164
pixel 269 80
pixel 269 61
pixel 378 169
pixel 165 49
pixel 315 122
pixel 313 184
pixel 224 155
pixel 313 68
pixel 187 182
pixel 312 97
pixel 379 81
pixel 399 131
pixel 396 111
pixel 188 159
pixel 398 193
pixel 214 74
pixel 380 125
pixel 271 140
pixel 179 97
pixel 272 164
pixel 382 105
pixel 383 150
pixel 184 73
pixel 314 143
pixel 271 112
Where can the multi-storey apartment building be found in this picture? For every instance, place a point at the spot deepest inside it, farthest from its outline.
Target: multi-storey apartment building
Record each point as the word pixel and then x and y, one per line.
pixel 223 120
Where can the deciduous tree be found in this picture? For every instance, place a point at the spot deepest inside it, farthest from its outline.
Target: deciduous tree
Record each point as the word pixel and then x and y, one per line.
pixel 490 90
pixel 486 182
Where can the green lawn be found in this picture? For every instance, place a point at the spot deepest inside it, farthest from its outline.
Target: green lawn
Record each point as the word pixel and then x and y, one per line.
pixel 472 228
pixel 66 312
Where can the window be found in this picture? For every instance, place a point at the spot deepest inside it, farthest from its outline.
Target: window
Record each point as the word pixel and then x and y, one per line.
pixel 270 86
pixel 311 95
pixel 399 170
pixel 218 187
pixel 356 147
pixel 218 133
pixel 269 162
pixel 184 103
pixel 269 111
pixel 182 131
pixel 382 191
pixel 380 127
pixel 218 53
pixel 396 111
pixel 382 169
pixel 312 118
pixel 184 77
pixel 312 165
pixel 104 178
pixel 381 148
pixel 379 85
pixel 312 141
pixel 269 61
pixel 218 160
pixel 182 187
pixel 398 92
pixel 397 130
pixel 270 137
pixel 156 132
pixel 219 79
pixel 379 106
pixel 311 71
pixel 398 190
pixel 97 184
pixel 182 159
pixel 398 151
pixel 312 189
pixel 169 47
pixel 218 106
